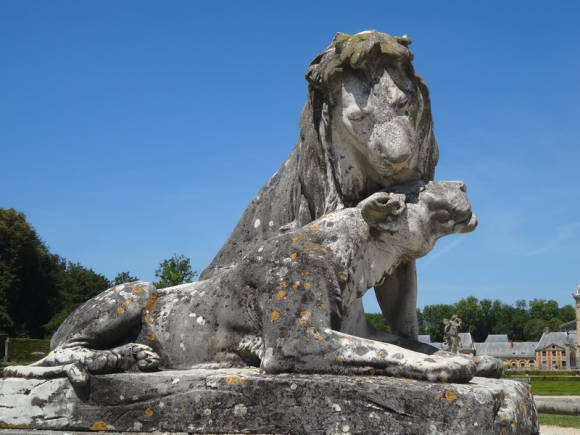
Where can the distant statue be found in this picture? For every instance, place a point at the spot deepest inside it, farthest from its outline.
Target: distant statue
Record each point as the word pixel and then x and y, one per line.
pixel 451 334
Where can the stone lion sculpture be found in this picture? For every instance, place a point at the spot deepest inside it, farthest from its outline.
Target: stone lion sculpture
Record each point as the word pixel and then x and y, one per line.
pixel 280 307
pixel 365 129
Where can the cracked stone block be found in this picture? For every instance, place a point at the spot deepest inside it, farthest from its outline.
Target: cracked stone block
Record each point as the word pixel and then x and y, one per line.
pixel 247 401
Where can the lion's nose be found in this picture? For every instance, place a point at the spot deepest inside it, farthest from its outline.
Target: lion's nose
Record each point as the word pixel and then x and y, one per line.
pixel 398 154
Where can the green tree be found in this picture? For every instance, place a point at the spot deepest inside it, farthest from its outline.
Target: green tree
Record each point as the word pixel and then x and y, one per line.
pixel 377 321
pixel 533 329
pixel 27 293
pixel 567 313
pixel 472 317
pixel 76 284
pixel 174 271
pixel 544 309
pixel 433 316
pixel 123 277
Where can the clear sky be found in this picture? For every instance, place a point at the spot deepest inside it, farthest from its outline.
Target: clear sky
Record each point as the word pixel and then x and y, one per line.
pixel 132 130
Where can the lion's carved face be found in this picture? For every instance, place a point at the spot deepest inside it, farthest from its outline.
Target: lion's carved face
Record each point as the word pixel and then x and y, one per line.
pixel 379 122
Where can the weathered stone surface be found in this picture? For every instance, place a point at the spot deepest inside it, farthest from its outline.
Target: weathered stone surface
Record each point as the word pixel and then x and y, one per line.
pixel 245 401
pixel 569 405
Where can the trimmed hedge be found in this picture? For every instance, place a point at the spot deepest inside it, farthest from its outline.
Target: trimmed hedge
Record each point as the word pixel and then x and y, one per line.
pixel 541 373
pixel 547 378
pixel 22 349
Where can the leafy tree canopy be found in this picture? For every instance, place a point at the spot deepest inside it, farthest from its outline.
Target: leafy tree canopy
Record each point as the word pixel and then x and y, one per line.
pixel 174 271
pixel 123 277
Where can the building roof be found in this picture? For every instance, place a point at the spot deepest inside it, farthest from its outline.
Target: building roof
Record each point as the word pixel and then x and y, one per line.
pixel 497 338
pixel 424 338
pixel 521 349
pixel 561 339
pixel 466 340
pixel 568 326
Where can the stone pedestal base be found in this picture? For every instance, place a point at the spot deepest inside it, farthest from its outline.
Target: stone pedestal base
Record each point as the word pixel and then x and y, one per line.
pixel 245 401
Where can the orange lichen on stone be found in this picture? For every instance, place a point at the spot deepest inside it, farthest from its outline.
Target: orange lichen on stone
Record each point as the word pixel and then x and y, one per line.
pixel 120 310
pixel 234 380
pixel 304 316
pixel 296 285
pixel 325 250
pixel 450 396
pixel 149 412
pixel 100 425
pixel 151 302
pixel 280 294
pixel 275 315
pixel 183 410
pixel 295 238
pixel 313 227
pixel 341 276
pixel 372 372
pixel 13 426
pixel 138 290
pixel 283 284
pixel 307 286
pixel 151 336
pixel 314 333
pixel 293 256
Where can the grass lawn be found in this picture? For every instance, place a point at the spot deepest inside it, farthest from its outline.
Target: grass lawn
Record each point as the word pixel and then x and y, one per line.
pixel 556 388
pixel 560 420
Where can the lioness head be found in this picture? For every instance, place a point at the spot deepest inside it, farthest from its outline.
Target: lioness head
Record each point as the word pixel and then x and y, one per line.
pixel 420 213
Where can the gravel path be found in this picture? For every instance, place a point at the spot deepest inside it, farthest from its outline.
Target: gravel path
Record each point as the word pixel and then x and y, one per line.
pixel 556 430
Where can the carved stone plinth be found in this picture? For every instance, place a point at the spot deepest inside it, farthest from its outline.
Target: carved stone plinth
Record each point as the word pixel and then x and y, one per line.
pixel 245 401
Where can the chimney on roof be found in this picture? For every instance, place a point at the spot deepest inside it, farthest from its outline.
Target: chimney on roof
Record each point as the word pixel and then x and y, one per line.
pixel 546 330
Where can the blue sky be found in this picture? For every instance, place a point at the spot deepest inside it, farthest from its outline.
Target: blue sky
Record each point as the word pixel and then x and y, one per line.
pixel 134 130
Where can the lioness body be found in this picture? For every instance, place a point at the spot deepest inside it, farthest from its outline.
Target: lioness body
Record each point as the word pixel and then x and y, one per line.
pixel 281 306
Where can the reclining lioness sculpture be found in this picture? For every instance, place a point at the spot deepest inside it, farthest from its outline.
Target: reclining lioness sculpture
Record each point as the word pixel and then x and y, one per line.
pixel 280 307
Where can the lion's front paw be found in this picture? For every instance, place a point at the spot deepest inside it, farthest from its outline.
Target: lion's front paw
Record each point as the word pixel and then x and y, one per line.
pixel 488 366
pixel 147 360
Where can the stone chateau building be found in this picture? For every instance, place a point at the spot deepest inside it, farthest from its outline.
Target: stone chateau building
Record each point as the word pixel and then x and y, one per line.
pixel 555 350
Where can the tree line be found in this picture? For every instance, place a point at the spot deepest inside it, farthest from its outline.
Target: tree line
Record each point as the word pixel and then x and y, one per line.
pixel 39 289
pixel 522 321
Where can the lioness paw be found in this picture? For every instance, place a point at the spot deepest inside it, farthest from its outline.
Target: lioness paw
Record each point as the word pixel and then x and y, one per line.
pixel 452 369
pixel 380 205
